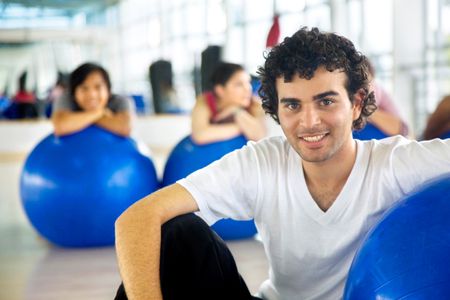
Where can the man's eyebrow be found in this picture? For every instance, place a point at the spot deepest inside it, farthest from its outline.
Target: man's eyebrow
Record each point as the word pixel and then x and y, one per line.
pixel 289 100
pixel 325 94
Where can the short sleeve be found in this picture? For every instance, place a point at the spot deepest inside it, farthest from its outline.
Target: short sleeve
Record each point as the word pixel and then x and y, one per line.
pixel 119 103
pixel 63 103
pixel 227 188
pixel 417 162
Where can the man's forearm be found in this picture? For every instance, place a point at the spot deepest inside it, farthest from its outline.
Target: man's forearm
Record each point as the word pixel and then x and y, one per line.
pixel 138 254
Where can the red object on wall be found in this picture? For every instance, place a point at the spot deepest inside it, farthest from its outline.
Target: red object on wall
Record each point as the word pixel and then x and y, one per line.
pixel 274 33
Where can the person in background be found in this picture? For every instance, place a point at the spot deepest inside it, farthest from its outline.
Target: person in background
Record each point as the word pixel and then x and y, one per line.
pixel 55 92
pixel 229 109
pixel 438 124
pixel 23 104
pixel 387 117
pixel 90 102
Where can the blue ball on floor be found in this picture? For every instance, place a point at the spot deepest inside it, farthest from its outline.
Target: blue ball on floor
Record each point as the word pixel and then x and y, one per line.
pixel 188 157
pixel 73 188
pixel 406 256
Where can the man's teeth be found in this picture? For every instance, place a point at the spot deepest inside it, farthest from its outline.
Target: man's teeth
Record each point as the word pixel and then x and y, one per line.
pixel 315 138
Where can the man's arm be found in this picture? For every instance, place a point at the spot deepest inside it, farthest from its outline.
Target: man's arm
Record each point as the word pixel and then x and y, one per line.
pixel 118 123
pixel 138 239
pixel 67 122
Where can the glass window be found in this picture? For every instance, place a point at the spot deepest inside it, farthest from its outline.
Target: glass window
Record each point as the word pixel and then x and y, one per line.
pixel 378 22
pixel 318 16
pixel 216 18
pixel 287 6
pixel 234 47
pixel 255 43
pixel 195 17
pixel 257 10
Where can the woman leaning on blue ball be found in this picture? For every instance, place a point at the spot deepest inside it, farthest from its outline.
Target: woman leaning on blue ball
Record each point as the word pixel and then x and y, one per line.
pixel 90 102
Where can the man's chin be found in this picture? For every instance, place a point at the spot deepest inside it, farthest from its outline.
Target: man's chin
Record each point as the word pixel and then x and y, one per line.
pixel 313 157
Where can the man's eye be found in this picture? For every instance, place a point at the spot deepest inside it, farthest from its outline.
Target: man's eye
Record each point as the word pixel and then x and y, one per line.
pixel 293 106
pixel 326 102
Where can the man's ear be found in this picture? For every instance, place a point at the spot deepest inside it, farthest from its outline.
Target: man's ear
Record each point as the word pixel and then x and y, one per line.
pixel 358 100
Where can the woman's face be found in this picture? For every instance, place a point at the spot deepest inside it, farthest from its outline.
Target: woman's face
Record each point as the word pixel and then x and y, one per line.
pixel 237 90
pixel 92 93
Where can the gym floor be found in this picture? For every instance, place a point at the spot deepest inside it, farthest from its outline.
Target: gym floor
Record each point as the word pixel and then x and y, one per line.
pixel 33 269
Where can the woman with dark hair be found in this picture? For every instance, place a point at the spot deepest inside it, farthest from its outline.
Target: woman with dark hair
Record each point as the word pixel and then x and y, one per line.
pixel 89 102
pixel 229 109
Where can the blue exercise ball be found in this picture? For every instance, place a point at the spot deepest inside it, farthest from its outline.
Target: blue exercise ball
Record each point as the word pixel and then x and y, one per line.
pixel 188 157
pixel 73 188
pixel 369 132
pixel 406 256
pixel 445 136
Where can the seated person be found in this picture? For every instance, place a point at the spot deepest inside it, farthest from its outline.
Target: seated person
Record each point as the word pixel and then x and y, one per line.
pixel 23 104
pixel 229 109
pixel 439 121
pixel 386 117
pixel 56 92
pixel 89 102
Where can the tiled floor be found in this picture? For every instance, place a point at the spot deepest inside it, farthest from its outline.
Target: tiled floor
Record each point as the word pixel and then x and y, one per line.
pixel 32 269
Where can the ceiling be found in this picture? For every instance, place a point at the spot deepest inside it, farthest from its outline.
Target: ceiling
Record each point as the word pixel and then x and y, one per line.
pixel 16 9
pixel 22 21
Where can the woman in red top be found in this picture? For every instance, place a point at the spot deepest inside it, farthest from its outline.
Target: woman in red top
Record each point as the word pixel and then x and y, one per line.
pixel 229 109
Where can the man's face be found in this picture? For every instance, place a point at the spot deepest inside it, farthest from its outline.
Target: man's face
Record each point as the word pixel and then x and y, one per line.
pixel 93 93
pixel 316 115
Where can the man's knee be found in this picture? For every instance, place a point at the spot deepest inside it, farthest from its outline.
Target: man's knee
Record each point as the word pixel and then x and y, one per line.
pixel 188 226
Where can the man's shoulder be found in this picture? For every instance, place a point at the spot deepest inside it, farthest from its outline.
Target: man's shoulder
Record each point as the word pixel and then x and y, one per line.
pixel 270 147
pixel 271 141
pixel 397 146
pixel 389 142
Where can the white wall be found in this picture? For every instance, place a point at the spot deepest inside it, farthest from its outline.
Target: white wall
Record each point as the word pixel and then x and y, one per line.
pixel 159 133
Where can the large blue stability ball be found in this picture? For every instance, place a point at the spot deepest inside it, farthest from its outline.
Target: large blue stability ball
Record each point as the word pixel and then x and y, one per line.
pixel 407 255
pixel 188 157
pixel 445 136
pixel 369 132
pixel 73 188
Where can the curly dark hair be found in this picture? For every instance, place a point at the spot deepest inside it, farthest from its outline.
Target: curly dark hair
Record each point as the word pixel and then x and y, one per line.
pixel 306 51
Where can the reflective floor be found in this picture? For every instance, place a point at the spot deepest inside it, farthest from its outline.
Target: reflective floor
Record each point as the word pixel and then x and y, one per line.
pixel 32 269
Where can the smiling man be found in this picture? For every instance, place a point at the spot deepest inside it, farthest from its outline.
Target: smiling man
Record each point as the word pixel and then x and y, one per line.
pixel 313 194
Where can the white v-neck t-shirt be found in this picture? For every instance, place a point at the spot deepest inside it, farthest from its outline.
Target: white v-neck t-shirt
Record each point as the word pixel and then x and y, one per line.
pixel 309 250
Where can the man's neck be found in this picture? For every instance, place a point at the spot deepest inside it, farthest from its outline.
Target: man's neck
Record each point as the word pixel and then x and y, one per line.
pixel 325 180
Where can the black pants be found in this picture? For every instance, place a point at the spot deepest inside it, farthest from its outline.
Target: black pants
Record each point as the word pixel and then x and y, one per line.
pixel 196 264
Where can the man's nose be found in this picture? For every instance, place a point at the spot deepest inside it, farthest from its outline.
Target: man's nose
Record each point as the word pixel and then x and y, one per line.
pixel 309 117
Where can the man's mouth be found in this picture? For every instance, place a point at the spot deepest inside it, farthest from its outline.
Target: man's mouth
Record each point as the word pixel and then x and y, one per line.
pixel 313 138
